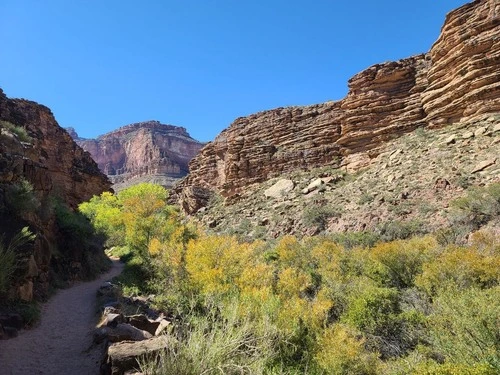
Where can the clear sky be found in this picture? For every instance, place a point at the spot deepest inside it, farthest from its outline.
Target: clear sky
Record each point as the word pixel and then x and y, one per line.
pixel 101 64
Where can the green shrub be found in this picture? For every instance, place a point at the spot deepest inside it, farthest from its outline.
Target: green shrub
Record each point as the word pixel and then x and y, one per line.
pixel 20 197
pixel 350 240
pixel 214 345
pixel 9 257
pixel 400 230
pixel 477 207
pixel 317 216
pixel 464 326
pixel 19 131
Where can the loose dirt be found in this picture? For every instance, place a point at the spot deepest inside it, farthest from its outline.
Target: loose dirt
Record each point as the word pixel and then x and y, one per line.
pixel 62 342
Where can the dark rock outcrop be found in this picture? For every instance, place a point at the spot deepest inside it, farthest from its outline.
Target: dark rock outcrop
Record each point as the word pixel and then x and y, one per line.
pixel 35 152
pixel 457 80
pixel 142 152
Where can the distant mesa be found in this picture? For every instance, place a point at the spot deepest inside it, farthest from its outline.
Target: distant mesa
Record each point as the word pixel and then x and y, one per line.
pixel 146 151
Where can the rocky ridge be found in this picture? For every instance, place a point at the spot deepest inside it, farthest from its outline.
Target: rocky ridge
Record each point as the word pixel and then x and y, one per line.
pixel 39 165
pixel 410 183
pixel 456 81
pixel 142 152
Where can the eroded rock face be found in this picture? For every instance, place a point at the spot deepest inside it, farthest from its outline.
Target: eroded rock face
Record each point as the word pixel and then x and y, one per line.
pixel 455 81
pixel 146 151
pixel 56 168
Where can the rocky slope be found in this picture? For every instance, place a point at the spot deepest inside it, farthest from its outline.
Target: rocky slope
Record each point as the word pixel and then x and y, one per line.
pixel 456 81
pixel 142 152
pixel 407 187
pixel 39 166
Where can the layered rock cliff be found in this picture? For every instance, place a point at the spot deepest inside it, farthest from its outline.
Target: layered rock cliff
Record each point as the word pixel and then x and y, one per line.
pixel 457 80
pixel 41 167
pixel 145 151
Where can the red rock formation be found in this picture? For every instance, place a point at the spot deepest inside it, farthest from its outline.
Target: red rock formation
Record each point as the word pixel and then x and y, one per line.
pixel 456 80
pixel 463 80
pixel 57 168
pixel 150 150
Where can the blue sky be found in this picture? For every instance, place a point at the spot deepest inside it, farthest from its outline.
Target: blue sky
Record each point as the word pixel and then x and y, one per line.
pixel 101 64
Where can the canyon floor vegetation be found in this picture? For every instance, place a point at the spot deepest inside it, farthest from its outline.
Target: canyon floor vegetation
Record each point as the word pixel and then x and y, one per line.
pixel 338 304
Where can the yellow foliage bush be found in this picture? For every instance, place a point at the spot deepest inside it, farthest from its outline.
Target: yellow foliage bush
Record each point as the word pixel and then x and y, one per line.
pixel 341 352
pixel 461 267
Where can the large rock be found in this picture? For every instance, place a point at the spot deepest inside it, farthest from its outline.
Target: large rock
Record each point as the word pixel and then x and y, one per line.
pixel 121 332
pixel 279 189
pixel 456 80
pixel 142 152
pixel 123 356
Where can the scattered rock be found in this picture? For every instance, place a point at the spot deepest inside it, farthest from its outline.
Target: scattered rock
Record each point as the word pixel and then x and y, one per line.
pixel 164 323
pixel 123 332
pixel 122 357
pixel 480 131
pixel 143 323
pixel 32 267
pixel 483 165
pixel 279 189
pixel 451 139
pixel 395 154
pixel 112 320
pixel 468 135
pixel 441 184
pixel 25 291
pixel 316 184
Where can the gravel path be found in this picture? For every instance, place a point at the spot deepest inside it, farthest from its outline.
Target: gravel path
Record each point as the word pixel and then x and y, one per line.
pixel 62 342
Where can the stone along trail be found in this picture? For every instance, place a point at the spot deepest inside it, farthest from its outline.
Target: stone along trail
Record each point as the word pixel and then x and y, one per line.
pixel 62 342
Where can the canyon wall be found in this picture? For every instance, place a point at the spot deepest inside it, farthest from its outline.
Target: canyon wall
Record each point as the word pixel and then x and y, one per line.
pixel 456 80
pixel 41 167
pixel 145 151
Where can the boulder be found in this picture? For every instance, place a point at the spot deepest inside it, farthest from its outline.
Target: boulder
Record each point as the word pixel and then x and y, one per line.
pixel 483 165
pixel 125 332
pixel 164 323
pixel 313 186
pixel 279 189
pixel 143 323
pixel 111 320
pixel 122 357
pixel 25 291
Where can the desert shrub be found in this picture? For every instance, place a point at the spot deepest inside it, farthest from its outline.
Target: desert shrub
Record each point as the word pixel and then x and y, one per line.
pixel 73 225
pixel 433 368
pixel 19 131
pixel 464 326
pixel 342 352
pixel 20 197
pixel 398 263
pixel 460 267
pixel 477 207
pixel 9 257
pixel 211 344
pixel 350 240
pixel 400 230
pixel 318 216
pixel 373 310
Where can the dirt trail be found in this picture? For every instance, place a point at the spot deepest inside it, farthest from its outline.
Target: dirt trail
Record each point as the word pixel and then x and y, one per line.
pixel 61 344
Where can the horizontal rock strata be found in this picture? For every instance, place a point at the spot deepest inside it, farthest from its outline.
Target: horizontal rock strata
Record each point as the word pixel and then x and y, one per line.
pixel 456 80
pixel 149 150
